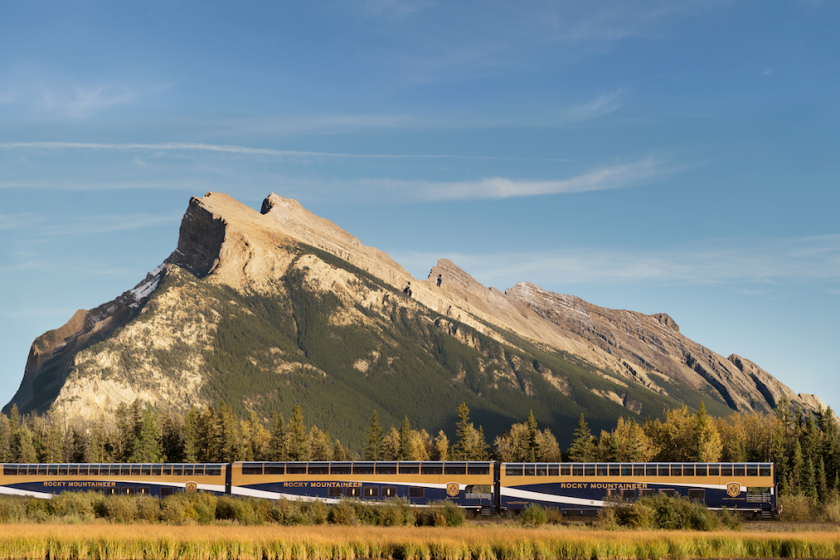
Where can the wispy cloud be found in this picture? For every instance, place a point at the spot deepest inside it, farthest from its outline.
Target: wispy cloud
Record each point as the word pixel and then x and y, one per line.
pixel 737 261
pixel 604 178
pixel 15 221
pixel 109 223
pixel 598 107
pixel 245 150
pixel 84 101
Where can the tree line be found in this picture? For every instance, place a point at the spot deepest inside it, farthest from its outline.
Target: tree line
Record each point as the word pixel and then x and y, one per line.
pixel 805 446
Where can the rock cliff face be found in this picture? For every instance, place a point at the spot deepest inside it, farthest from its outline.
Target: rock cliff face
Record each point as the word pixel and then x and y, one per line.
pixel 177 336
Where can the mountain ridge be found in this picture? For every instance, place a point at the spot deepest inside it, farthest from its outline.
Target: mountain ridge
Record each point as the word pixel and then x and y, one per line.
pixel 226 245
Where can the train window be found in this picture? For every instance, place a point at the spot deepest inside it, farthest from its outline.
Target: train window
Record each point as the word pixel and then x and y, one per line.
pixel 156 469
pixel 409 468
pixel 280 468
pixel 31 470
pixel 146 470
pixel 389 492
pixel 334 492
pixel 612 492
pixel 726 470
pixel 530 470
pixel 661 470
pixel 764 470
pixel 650 470
pixel 177 470
pixel 431 468
pixel 188 470
pixel 112 490
pixel 370 492
pixel 319 468
pixel 341 468
pixel 352 491
pixel 166 491
pixel 476 468
pixel 601 470
pixel 295 468
pixel 626 470
pixel 565 470
pixel 752 470
pixel 92 470
pixel 638 470
pixel 127 490
pixel 167 470
pixel 52 470
pixel 577 470
pixel 676 470
pixel 42 470
pixel 614 469
pixel 688 470
pixel 12 470
pixel 542 470
pixel 455 468
pixel 387 468
pixel 62 470
pixel 553 470
pixel 701 470
pixel 714 470
pixel 628 494
pixel 362 468
pixel 669 492
pixel 416 491
pixel 143 490
pixel 198 470
pixel 125 470
pixel 738 470
pixel 589 469
pixel 697 495
pixel 646 492
pixel 213 470
pixel 73 470
pixel 513 470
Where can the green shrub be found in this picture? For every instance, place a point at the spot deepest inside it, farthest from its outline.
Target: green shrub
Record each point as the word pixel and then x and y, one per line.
pixel 281 510
pixel 148 509
pixel 534 515
pixel 204 504
pixel 796 508
pixel 554 515
pixel 177 510
pixel 74 504
pixel 343 513
pixel 12 509
pixel 121 509
pixel 316 512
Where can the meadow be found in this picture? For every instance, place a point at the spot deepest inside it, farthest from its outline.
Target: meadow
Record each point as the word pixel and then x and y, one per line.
pixel 159 542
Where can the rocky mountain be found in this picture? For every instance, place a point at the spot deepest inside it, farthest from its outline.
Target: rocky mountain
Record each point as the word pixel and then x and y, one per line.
pixel 280 307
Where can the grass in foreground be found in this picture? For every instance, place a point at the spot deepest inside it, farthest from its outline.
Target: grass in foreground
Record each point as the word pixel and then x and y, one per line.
pixel 156 542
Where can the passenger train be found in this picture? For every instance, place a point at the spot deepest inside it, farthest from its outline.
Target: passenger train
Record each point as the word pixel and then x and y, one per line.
pixel 485 486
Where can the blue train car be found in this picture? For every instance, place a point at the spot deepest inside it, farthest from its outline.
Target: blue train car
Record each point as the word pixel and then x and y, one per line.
pixel 468 484
pixel 46 480
pixel 586 487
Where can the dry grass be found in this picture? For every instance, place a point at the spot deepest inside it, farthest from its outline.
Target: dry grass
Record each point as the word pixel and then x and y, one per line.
pixel 157 542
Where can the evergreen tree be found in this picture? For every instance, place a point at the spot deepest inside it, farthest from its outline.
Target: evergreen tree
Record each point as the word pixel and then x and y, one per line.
pixel 319 445
pixel 146 445
pixel 810 483
pixel 277 444
pixel 779 454
pixel 406 443
pixel 797 469
pixel 464 427
pixel 531 423
pixel 172 437
pixel 373 449
pixel 583 446
pixel 338 452
pixel 298 441
pixel 5 440
pixel 191 436
pixel 822 483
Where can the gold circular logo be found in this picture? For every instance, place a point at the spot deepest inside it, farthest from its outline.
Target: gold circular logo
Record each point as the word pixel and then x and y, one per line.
pixel 453 489
pixel 733 489
pixel 191 487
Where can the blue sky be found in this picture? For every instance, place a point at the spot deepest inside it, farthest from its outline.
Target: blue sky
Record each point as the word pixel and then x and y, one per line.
pixel 654 156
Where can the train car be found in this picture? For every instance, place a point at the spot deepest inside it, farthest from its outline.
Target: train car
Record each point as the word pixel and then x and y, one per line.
pixel 46 480
pixel 469 484
pixel 583 488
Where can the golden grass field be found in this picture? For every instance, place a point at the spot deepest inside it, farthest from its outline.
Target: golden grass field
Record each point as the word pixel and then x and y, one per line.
pixel 161 542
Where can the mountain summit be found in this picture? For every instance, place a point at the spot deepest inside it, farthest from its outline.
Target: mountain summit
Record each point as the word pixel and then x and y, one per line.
pixel 269 309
